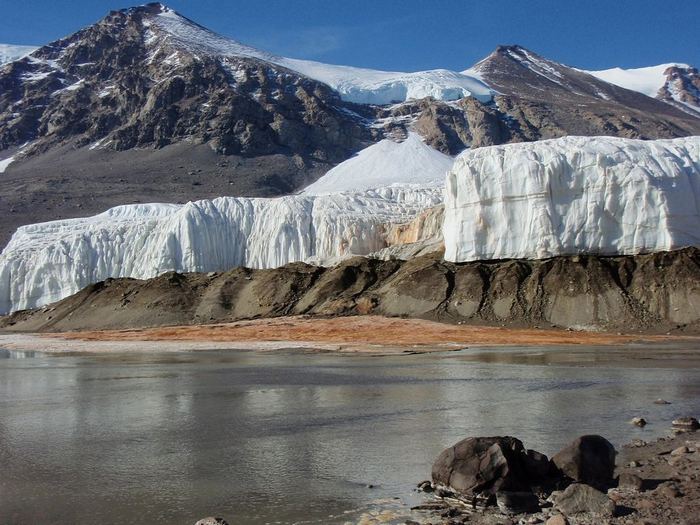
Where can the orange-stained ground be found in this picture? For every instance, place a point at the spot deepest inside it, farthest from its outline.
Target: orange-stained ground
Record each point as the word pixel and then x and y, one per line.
pixel 364 330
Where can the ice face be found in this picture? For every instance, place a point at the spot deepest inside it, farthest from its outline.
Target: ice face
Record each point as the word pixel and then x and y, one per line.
pixel 49 261
pixel 573 195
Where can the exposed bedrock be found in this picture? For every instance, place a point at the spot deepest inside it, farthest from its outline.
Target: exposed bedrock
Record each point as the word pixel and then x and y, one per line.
pixel 650 292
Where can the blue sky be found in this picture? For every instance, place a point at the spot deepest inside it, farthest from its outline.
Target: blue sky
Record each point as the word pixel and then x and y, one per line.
pixel 410 34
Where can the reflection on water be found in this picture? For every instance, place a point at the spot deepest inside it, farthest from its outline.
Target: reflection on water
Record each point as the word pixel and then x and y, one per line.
pixel 16 354
pixel 261 438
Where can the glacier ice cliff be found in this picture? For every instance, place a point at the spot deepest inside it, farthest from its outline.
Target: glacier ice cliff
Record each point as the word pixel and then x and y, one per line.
pixel 598 195
pixel 49 261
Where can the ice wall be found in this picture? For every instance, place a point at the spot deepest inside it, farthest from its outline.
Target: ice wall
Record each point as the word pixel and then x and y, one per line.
pixel 573 195
pixel 49 261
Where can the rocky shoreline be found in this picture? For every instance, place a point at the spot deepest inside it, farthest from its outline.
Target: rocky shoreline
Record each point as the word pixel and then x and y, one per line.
pixel 489 481
pixel 496 481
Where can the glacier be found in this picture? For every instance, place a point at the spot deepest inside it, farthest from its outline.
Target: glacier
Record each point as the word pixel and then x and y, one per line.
pixel 573 195
pixel 386 163
pixel 535 200
pixel 46 262
pixel 353 84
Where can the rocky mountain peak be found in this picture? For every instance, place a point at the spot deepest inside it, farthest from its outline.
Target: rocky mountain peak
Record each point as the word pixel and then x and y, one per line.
pixel 682 88
pixel 152 8
pixel 146 76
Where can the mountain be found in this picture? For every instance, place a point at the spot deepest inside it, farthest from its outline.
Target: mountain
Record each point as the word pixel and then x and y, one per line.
pixel 126 110
pixel 353 84
pixel 548 100
pixel 148 106
pixel 676 84
pixel 573 195
pixel 10 52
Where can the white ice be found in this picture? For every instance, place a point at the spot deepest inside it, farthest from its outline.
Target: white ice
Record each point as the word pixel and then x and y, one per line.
pixel 573 195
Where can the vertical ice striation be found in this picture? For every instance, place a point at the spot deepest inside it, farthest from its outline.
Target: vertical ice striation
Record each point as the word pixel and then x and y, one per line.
pixel 49 261
pixel 573 195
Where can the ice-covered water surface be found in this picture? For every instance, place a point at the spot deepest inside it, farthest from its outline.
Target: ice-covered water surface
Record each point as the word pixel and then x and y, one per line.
pixel 49 261
pixel 573 195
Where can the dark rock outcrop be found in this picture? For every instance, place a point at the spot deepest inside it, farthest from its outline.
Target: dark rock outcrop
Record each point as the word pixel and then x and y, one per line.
pixel 682 89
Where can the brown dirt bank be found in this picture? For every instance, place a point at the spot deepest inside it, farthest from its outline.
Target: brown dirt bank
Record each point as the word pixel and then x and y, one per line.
pixel 366 330
pixel 652 293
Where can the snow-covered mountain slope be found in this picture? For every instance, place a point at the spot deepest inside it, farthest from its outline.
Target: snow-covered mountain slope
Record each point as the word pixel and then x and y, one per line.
pixel 677 84
pixel 48 261
pixel 647 80
pixel 384 164
pixel 10 52
pixel 359 85
pixel 572 195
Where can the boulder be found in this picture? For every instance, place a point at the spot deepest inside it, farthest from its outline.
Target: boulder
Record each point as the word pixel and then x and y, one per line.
pixel 517 502
pixel 627 480
pixel 686 423
pixel 680 451
pixel 486 465
pixel 579 498
pixel 589 459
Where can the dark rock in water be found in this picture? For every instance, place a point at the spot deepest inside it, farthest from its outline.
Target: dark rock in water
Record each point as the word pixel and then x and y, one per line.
pixel 686 423
pixel 639 421
pixel 425 486
pixel 487 465
pixel 580 498
pixel 589 459
pixel 661 402
pixel 517 502
pixel 212 521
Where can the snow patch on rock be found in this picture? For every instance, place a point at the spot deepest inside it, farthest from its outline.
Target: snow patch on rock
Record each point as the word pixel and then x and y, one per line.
pixel 573 195
pixel 4 163
pixel 646 80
